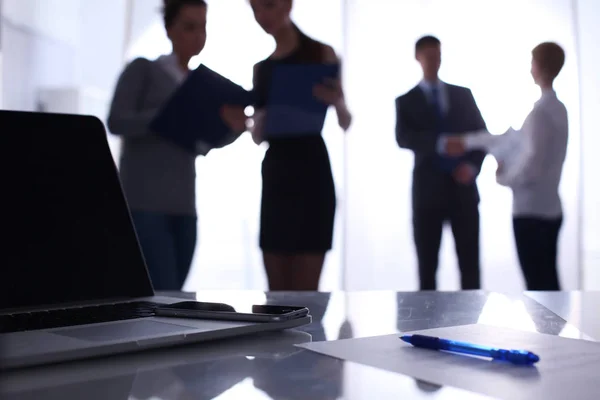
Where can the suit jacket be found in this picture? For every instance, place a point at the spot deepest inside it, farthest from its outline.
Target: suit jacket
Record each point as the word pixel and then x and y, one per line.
pixel 415 131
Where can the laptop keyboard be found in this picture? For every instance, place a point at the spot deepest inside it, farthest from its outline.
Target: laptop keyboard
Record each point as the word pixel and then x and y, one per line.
pixel 76 316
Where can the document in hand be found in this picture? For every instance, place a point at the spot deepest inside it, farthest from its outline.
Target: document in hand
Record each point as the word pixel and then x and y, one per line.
pixel 568 368
pixel 191 118
pixel 292 109
pixel 505 148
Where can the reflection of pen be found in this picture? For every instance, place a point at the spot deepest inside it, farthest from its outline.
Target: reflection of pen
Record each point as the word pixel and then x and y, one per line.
pixel 520 357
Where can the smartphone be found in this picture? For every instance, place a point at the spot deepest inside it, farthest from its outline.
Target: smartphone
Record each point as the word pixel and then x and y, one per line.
pixel 220 311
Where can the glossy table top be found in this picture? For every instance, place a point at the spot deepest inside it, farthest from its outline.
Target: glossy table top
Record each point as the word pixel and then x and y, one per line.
pixel 269 366
pixel 581 309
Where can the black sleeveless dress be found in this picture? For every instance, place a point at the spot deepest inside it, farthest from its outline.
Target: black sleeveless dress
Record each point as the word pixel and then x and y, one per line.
pixel 298 193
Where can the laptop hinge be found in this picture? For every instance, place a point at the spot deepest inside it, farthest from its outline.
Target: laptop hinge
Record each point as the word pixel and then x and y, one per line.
pixel 70 305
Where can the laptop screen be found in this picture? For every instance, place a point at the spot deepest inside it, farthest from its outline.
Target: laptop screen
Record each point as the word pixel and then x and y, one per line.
pixel 66 232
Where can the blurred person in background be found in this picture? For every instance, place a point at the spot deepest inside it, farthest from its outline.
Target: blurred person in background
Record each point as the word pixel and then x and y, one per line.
pixel 298 194
pixel 158 177
pixel 444 188
pixel 530 162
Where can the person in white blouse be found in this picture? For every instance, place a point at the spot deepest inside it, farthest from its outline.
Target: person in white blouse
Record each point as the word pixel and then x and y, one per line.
pixel 530 162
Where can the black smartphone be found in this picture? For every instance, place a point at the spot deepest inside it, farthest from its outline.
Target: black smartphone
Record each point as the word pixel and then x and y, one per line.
pixel 220 311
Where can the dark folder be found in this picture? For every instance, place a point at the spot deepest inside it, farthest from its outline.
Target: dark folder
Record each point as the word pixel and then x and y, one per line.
pixel 292 109
pixel 191 117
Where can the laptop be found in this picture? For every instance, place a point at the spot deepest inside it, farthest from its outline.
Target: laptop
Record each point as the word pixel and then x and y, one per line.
pixel 73 281
pixel 143 375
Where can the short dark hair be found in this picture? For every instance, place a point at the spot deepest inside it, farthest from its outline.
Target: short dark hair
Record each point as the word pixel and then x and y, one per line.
pixel 550 58
pixel 172 8
pixel 426 41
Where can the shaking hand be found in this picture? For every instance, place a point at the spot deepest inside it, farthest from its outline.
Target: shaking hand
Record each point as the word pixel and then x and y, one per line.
pixel 455 146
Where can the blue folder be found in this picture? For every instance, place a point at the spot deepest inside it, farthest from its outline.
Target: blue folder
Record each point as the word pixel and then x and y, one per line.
pixel 292 109
pixel 191 117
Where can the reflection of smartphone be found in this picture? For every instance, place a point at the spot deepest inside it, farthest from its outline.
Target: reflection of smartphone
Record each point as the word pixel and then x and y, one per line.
pixel 260 313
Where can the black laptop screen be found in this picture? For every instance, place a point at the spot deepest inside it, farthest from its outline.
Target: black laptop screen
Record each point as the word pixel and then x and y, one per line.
pixel 66 231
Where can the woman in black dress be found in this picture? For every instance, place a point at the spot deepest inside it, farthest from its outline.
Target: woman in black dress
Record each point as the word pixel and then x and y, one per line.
pixel 298 194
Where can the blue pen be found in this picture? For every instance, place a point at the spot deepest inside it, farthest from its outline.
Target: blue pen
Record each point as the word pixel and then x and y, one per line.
pixel 519 357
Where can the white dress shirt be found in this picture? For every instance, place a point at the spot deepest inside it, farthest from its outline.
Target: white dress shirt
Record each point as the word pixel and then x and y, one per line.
pixel 427 88
pixel 532 158
pixel 505 148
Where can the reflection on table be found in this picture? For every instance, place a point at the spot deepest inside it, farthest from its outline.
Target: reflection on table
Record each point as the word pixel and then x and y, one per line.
pixel 270 366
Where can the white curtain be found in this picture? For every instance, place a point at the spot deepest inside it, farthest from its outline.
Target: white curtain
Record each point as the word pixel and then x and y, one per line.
pixel 588 15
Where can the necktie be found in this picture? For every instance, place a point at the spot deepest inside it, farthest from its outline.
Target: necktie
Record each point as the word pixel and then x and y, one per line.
pixel 437 109
pixel 446 163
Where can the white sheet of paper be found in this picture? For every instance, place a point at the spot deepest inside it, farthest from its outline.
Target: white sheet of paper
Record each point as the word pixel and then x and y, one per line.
pixel 503 147
pixel 568 368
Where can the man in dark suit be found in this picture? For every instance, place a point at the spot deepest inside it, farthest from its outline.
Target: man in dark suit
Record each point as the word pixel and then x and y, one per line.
pixel 444 188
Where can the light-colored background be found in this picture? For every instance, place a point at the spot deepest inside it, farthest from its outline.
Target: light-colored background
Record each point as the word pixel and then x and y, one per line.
pixel 65 55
